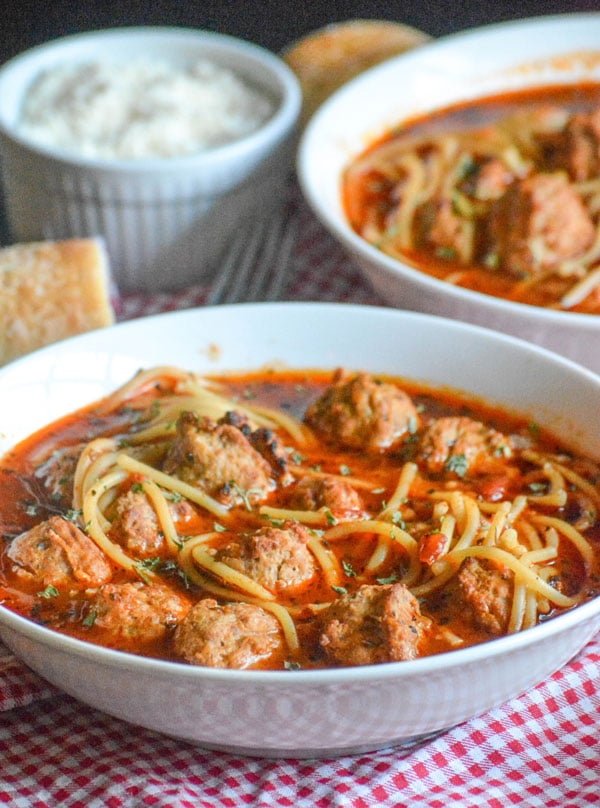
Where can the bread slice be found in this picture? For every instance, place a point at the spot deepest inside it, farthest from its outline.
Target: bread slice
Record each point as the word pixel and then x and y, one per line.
pixel 50 290
pixel 327 58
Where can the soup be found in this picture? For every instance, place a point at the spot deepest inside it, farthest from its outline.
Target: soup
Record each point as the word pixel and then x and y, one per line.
pixel 294 520
pixel 500 195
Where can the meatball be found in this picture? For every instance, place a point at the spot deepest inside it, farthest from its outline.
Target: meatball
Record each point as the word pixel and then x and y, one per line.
pixel 276 558
pixel 576 148
pixel 57 472
pixel 360 413
pixel 486 592
pixel 136 612
pixel 461 445
pixel 235 635
pixel 58 553
pixel 265 441
pixel 439 226
pixel 313 493
pixel 219 459
pixel 135 526
pixel 377 623
pixel 491 179
pixel 538 223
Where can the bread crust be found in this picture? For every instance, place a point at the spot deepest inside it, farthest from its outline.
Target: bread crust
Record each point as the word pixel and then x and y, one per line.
pixel 51 290
pixel 327 58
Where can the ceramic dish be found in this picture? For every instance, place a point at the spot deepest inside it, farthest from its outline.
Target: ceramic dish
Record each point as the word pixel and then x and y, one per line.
pixel 165 220
pixel 310 713
pixel 479 63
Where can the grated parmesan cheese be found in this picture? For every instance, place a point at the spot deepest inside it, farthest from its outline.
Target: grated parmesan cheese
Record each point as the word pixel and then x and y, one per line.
pixel 141 109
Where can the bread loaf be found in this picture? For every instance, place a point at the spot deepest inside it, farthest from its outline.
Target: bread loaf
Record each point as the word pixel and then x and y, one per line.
pixel 51 290
pixel 327 58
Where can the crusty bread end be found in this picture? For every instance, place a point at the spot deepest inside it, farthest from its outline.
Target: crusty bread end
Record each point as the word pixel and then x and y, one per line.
pixel 327 58
pixel 50 290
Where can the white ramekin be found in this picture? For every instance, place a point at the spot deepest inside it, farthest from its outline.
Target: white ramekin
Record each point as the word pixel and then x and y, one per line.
pixel 165 221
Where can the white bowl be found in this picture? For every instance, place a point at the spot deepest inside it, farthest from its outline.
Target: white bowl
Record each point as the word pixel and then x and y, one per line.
pixel 165 221
pixel 478 63
pixel 309 713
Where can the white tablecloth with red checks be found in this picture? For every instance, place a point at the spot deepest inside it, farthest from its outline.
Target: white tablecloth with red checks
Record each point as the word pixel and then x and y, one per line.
pixel 540 750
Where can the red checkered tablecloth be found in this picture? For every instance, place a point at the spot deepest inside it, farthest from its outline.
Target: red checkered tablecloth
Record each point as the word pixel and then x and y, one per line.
pixel 540 750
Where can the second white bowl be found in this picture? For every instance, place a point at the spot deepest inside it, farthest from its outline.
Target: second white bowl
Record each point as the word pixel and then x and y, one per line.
pixel 479 63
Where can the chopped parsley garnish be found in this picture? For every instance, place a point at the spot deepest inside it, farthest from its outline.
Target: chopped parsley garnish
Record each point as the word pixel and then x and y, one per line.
pixel 458 464
pixel 245 495
pixel 72 515
pixel 172 568
pixel 49 592
pixel 341 590
pixel 331 520
pixel 467 167
pixel 446 253
pixel 149 563
pixel 174 496
pixel 145 565
pixel 274 520
pixel 292 666
pixel 90 618
pixel 398 520
pixel 154 410
pixel 348 569
pixel 137 488
pixel 169 566
pixel 345 470
pixel 390 580
pixel 462 206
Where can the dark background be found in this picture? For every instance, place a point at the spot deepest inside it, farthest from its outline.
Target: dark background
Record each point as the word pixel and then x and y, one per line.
pixel 271 23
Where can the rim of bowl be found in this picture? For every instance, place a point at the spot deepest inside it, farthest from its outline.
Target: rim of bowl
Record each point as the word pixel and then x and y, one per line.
pixel 282 121
pixel 449 660
pixel 339 226
pixel 63 643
